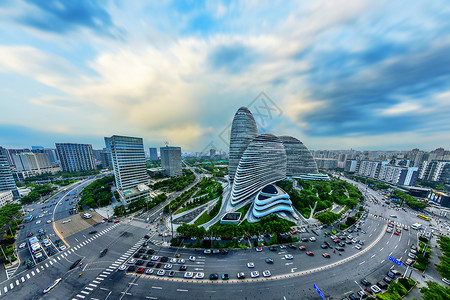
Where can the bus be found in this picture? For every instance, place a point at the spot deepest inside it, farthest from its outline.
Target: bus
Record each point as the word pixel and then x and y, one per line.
pixel 28 219
pixel 416 226
pixel 423 217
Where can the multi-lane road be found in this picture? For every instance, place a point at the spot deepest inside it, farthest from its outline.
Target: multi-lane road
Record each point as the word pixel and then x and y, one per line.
pixel 337 276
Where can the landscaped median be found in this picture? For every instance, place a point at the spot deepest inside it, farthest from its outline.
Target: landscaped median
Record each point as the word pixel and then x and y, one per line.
pixel 396 290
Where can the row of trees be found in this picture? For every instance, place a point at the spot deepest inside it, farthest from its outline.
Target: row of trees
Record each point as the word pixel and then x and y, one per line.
pixel 98 193
pixel 37 191
pixel 176 183
pixel 371 182
pixel 51 177
pixel 270 224
pixel 121 210
pixel 444 266
pixel 410 200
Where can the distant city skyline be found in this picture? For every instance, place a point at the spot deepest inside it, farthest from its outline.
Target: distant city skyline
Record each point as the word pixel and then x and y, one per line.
pixel 366 75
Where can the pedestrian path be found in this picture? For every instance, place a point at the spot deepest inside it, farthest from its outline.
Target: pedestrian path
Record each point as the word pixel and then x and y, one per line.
pixel 102 276
pixel 20 279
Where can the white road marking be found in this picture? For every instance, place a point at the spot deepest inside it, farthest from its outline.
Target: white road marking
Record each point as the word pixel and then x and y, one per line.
pixel 362 262
pixel 180 290
pixel 157 287
pixel 23 279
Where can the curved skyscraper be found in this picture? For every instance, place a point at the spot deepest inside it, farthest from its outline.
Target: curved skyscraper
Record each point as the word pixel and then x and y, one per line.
pixel 299 158
pixel 263 163
pixel 271 200
pixel 243 131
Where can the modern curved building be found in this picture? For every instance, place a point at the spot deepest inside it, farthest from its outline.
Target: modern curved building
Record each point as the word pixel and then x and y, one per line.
pixel 263 163
pixel 271 200
pixel 299 159
pixel 243 131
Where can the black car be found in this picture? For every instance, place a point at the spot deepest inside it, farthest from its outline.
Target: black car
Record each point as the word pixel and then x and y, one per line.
pixel 382 284
pixel 30 265
pixel 104 251
pixel 145 256
pixel 213 276
pixel 139 262
pixel 365 282
pixel 340 249
pixel 75 263
pixel 292 246
pixel 150 251
pixel 150 264
pixel 93 232
pixel 272 248
pixel 137 255
pixel 146 236
pixel 131 268
pixel 223 251
pixel 390 274
pixel 304 239
pixel 387 280
pixel 172 273
pixel 352 297
pixel 142 250
pixel 225 277
pixel 183 268
pixel 164 259
pixel 323 246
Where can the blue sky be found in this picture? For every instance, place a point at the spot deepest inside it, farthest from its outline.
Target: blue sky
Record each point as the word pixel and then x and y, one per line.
pixel 339 74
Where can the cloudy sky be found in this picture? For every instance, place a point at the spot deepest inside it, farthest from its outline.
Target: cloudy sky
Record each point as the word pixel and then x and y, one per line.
pixel 335 74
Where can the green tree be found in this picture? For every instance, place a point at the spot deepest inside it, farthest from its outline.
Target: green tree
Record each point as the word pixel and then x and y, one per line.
pixel 434 291
pixel 327 217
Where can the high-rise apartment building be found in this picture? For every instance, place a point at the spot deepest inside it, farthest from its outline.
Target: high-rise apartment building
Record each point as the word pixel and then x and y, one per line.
pixel 128 159
pixel 171 160
pixel 31 161
pixel 75 157
pixel 7 182
pixel 153 154
pixel 435 170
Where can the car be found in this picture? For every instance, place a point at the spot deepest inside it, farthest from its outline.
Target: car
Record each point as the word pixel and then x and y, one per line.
pixel 103 252
pixel 116 221
pixel 154 257
pixel 188 275
pixel 310 253
pixel 149 271
pixel 254 274
pixel 122 268
pixel 22 245
pixel 38 222
pixel 288 256
pixel 390 274
pixel 387 280
pixel 446 281
pixel 140 271
pixel 183 268
pixel 388 230
pixel 30 234
pixel 199 275
pixel 362 294
pixel 161 272
pixel 323 246
pixel 250 265
pixel 132 261
pixel 409 262
pixel 395 272
pixel 158 265
pixel 269 260
pixel 292 246
pixel 301 248
pixel 223 251
pixel 131 268
pixel 139 262
pixel 341 244
pixel 173 260
pixel 145 256
pixel 303 239
pixel 51 286
pixel 258 249
pixel 267 273
pixel 225 277
pixel 146 236
pixel 240 275
pixel 192 258
pixel 49 221
pixel 167 266
pixel 354 241
pixel 382 284
pixel 410 255
pixel 142 250
pixel 215 251
pixel 273 249
pixel 30 265
pixel 375 289
pixel 62 248
pixel 213 276
pixel 178 255
pixel 93 232
pixel 207 251
pixel 413 247
pixel 150 251
pixel 164 259
pixel 326 255
pixel 137 255
pixel 352 297
pixel 336 240
pixel 150 264
pixel 396 233
pixel 340 249
pixel 358 247
pixel 312 239
pixel 365 282
pixel 413 251
pixel 172 273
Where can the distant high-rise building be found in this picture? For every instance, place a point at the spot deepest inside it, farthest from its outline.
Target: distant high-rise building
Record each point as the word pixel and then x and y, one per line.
pixel 351 165
pixel 153 154
pixel 128 159
pixel 171 160
pixel 435 170
pixel 75 157
pixel 212 152
pixel 7 182
pixel 32 161
pixel 51 154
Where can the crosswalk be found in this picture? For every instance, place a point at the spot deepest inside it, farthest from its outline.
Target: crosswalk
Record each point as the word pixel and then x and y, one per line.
pixel 102 276
pixel 396 223
pixel 18 280
pixel 11 269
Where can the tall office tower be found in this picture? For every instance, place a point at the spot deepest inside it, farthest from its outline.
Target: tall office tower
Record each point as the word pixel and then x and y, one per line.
pixel 50 152
pixel 11 152
pixel 212 152
pixel 153 154
pixel 171 160
pixel 75 157
pixel 32 161
pixel 7 182
pixel 243 131
pixel 128 158
pixel 299 158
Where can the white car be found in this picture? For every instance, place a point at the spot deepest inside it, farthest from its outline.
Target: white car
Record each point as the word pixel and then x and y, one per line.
pixel 354 241
pixel 122 268
pixel 49 221
pixel 22 245
pixel 167 266
pixel 312 239
pixel 62 248
pixel 149 271
pixel 188 275
pixel 132 261
pixel 181 261
pixel 51 286
pixel 289 256
pixel 192 258
pixel 207 251
pixel 199 275
pixel 358 247
pixel 161 273
pixel 282 247
pixel 375 289
pixel 173 260
pixel 155 257
pixel 267 273
pixel 250 265
pixel 254 274
pixel 38 222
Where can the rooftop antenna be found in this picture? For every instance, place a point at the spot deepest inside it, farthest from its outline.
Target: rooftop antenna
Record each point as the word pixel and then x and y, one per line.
pixel 166 143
